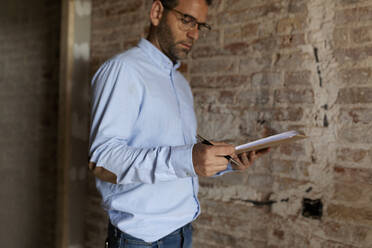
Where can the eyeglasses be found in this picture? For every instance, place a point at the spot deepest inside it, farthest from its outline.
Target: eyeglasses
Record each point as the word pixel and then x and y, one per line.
pixel 189 22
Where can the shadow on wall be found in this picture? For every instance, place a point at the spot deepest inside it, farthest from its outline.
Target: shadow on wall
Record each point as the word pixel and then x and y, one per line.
pixel 29 73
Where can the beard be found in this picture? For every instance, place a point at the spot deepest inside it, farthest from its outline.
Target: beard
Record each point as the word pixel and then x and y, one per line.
pixel 168 44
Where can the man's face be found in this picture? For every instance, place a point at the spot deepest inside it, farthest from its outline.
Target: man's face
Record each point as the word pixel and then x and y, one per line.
pixel 173 40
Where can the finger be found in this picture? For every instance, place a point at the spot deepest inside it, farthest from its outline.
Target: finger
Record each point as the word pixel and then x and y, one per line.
pixel 232 159
pixel 91 165
pixel 263 151
pixel 223 150
pixel 252 156
pixel 244 158
pixel 216 160
pixel 244 162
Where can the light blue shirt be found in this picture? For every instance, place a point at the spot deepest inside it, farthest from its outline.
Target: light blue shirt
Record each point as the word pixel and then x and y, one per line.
pixel 143 129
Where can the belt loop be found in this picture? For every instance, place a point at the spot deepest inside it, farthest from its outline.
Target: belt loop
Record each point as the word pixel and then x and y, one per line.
pixel 115 232
pixel 183 236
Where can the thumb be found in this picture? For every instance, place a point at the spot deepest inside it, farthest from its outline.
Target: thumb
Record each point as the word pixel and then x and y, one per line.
pixel 223 149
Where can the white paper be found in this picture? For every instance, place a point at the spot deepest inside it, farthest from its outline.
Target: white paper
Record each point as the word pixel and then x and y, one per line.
pixel 273 138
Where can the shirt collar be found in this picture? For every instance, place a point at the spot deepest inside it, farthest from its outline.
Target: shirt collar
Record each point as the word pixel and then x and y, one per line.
pixel 157 56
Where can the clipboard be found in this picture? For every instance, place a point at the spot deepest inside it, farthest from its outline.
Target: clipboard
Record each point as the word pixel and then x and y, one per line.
pixel 270 141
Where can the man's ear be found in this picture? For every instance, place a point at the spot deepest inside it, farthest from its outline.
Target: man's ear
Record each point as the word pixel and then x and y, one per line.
pixel 156 13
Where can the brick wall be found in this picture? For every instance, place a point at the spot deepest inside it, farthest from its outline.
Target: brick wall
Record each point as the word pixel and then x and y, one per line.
pixel 29 64
pixel 271 66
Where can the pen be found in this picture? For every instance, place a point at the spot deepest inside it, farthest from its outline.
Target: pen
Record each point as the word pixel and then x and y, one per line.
pixel 207 142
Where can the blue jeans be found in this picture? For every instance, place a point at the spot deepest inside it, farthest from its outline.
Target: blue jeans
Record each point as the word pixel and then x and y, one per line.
pixel 181 238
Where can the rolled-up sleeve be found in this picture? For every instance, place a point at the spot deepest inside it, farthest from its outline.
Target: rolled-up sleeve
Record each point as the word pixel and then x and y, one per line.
pixel 116 105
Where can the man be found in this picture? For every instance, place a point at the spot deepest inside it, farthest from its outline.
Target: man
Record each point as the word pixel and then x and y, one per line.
pixel 142 142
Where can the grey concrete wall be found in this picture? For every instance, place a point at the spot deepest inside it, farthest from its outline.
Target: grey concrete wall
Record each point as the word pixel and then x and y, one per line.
pixel 29 65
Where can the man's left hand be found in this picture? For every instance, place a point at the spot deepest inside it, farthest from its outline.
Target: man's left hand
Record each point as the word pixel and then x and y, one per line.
pixel 246 159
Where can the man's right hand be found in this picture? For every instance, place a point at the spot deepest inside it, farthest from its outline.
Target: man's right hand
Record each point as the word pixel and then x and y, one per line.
pixel 208 160
pixel 102 173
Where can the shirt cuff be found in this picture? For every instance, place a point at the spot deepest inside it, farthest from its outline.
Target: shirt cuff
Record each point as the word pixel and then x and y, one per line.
pixel 181 157
pixel 227 170
pixel 101 161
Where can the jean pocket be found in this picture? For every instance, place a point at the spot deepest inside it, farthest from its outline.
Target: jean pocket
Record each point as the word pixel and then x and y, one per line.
pixel 128 243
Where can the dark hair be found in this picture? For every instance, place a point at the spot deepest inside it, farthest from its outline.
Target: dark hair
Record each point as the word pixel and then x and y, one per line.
pixel 173 3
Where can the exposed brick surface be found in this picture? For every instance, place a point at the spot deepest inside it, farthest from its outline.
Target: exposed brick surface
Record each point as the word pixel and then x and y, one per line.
pixel 355 95
pixel 269 66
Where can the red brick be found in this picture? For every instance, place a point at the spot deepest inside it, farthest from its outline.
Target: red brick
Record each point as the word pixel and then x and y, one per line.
pixel 348 3
pixel 334 244
pixel 351 155
pixel 355 134
pixel 266 44
pixel 353 174
pixel 297 6
pixel 120 9
pixel 212 38
pixel 341 37
pixel 198 81
pixel 294 96
pixel 292 40
pixel 350 214
pixel 279 234
pixel 101 24
pixel 294 149
pixel 353 192
pixel 241 32
pixel 203 97
pixel 356 115
pixel 266 79
pixel 247 14
pixel 250 97
pixel 359 234
pixel 254 65
pixel 283 183
pixel 249 30
pixel 297 78
pixel 291 25
pixel 288 114
pixel 215 7
pixel 214 66
pixel 282 166
pixel 361 35
pixel 243 4
pixel 355 55
pixel 226 97
pixel 261 182
pixel 354 15
pixel 238 48
pixel 259 234
pixel 354 95
pixel 292 169
pixel 230 81
pixel 207 52
pixel 293 60
pixel 358 76
pixel 336 231
pixel 347 192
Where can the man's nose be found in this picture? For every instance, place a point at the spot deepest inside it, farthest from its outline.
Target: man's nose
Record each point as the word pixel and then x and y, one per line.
pixel 193 33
